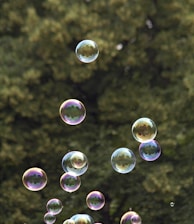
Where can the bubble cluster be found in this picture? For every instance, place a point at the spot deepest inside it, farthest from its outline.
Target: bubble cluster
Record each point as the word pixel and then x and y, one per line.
pixel 54 206
pixel 70 182
pixel 34 179
pixel 150 151
pixel 75 162
pixel 123 160
pixel 49 218
pixel 82 219
pixel 144 129
pixel 87 51
pixel 72 112
pixel 95 200
pixel 130 217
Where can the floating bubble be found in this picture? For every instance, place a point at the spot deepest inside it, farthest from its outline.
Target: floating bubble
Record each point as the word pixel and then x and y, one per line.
pixel 123 160
pixel 87 51
pixel 95 200
pixel 54 206
pixel 69 221
pixel 49 218
pixel 34 179
pixel 130 217
pixel 144 129
pixel 172 204
pixel 82 219
pixel 75 162
pixel 72 112
pixel 70 182
pixel 150 151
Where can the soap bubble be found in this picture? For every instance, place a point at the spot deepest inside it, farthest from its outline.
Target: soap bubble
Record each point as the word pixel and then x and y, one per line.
pixel 150 151
pixel 54 206
pixel 130 217
pixel 144 129
pixel 82 219
pixel 69 182
pixel 87 51
pixel 69 221
pixel 49 218
pixel 95 200
pixel 75 162
pixel 34 179
pixel 123 160
pixel 172 204
pixel 72 112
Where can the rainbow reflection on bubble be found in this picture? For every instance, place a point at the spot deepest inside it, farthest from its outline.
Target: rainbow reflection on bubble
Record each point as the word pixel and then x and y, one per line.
pixel 87 51
pixel 70 182
pixel 72 112
pixel 123 160
pixel 54 206
pixel 95 200
pixel 150 151
pixel 34 179
pixel 69 221
pixel 144 129
pixel 75 162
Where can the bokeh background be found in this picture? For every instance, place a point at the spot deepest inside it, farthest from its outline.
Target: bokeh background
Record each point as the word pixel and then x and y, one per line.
pixel 145 69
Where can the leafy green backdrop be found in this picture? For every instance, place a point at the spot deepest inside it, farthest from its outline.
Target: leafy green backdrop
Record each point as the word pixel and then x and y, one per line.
pixel 152 75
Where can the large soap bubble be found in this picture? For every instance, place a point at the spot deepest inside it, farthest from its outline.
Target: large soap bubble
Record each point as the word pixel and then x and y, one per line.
pixel 69 221
pixel 54 206
pixel 82 219
pixel 87 51
pixel 72 112
pixel 75 162
pixel 130 217
pixel 95 200
pixel 123 160
pixel 150 151
pixel 144 129
pixel 70 182
pixel 34 179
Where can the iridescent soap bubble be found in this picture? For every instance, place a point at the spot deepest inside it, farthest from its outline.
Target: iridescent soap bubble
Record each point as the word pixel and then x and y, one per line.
pixel 144 129
pixel 150 151
pixel 54 206
pixel 130 217
pixel 95 200
pixel 72 112
pixel 34 179
pixel 75 162
pixel 172 204
pixel 70 182
pixel 123 160
pixel 87 51
pixel 69 221
pixel 49 218
pixel 82 219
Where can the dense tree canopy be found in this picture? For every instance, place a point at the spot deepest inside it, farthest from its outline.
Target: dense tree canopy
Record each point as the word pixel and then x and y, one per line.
pixel 144 69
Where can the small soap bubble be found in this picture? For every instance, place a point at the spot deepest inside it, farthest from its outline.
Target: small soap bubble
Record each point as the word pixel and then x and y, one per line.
pixel 130 217
pixel 75 162
pixel 54 206
pixel 72 112
pixel 172 204
pixel 87 51
pixel 82 219
pixel 144 129
pixel 49 218
pixel 34 179
pixel 95 200
pixel 123 160
pixel 69 221
pixel 70 182
pixel 150 151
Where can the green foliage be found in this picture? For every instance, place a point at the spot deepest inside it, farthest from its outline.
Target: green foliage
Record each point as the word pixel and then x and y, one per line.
pixel 144 69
